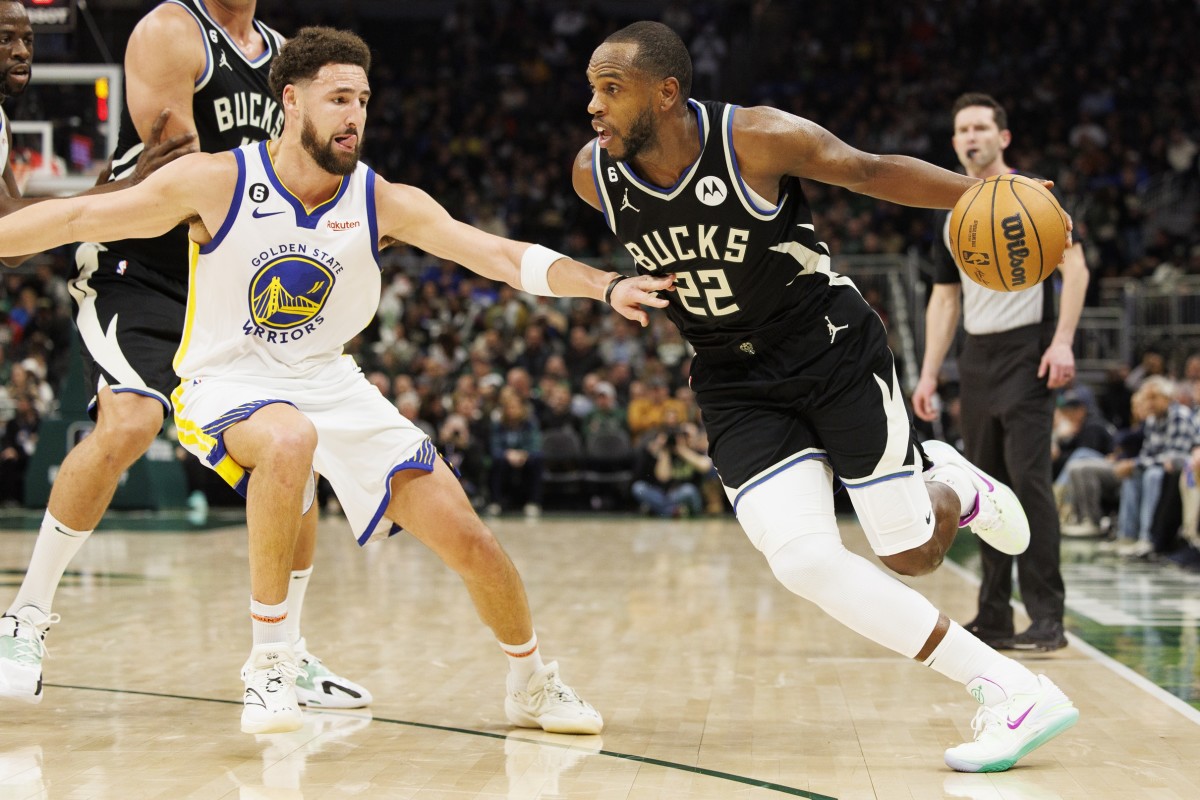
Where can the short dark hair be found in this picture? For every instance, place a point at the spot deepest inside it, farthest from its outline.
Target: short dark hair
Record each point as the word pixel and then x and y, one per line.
pixel 303 55
pixel 981 99
pixel 660 53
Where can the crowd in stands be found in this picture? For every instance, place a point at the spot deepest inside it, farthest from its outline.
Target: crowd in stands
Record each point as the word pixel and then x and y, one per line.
pixel 484 109
pixel 1130 481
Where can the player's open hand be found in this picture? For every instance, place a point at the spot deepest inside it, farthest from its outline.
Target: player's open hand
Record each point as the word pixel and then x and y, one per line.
pixel 630 295
pixel 157 152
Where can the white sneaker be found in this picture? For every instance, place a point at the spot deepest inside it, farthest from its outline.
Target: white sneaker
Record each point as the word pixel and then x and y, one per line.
pixel 269 704
pixel 1010 730
pixel 551 705
pixel 998 519
pixel 1084 529
pixel 317 685
pixel 1134 548
pixel 22 648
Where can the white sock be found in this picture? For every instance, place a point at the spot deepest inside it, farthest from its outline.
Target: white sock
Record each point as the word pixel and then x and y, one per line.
pixel 523 661
pixel 956 478
pixel 990 677
pixel 297 586
pixel 56 545
pixel 268 622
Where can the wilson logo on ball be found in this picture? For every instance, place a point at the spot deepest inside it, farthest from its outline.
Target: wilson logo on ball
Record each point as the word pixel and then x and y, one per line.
pixel 1014 231
pixel 1007 233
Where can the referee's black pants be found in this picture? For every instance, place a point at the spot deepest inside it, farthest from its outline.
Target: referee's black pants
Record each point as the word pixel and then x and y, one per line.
pixel 1007 420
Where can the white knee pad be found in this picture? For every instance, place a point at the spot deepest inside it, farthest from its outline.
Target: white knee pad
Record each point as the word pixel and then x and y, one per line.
pixel 794 502
pixel 895 513
pixel 310 492
pixel 855 592
pixel 790 519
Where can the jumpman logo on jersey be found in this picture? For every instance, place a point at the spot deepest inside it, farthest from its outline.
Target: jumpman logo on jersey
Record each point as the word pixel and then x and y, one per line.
pixel 224 62
pixel 833 329
pixel 626 204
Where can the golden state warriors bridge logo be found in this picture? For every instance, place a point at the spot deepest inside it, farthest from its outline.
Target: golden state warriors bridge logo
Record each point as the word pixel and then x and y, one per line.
pixel 286 297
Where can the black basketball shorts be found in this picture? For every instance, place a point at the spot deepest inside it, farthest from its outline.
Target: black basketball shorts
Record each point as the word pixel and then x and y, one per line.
pixel 829 391
pixel 130 319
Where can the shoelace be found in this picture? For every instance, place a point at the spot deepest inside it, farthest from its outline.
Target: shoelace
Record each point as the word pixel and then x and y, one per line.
pixel 984 719
pixel 281 670
pixel 32 649
pixel 989 519
pixel 558 690
pixel 305 658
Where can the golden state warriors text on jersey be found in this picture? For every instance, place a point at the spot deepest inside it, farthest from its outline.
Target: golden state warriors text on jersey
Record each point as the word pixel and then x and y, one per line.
pixel 281 287
pixel 281 309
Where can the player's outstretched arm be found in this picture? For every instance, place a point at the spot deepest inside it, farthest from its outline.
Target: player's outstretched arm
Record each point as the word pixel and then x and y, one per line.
pixel 156 153
pixel 410 215
pixel 179 191
pixel 772 142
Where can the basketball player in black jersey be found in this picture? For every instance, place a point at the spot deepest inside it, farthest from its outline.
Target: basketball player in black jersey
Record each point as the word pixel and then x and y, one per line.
pixel 207 63
pixel 1017 350
pixel 793 375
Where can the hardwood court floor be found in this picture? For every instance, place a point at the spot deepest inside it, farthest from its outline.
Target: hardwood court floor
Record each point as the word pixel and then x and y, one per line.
pixel 714 682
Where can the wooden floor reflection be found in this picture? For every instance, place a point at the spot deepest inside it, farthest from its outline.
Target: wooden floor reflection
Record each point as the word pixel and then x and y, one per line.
pixel 713 680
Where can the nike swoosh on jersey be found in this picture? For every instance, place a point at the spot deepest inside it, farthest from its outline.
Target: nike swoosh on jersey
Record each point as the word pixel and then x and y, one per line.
pixel 257 215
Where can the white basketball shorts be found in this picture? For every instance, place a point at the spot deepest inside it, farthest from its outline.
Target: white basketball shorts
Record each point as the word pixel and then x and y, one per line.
pixel 362 440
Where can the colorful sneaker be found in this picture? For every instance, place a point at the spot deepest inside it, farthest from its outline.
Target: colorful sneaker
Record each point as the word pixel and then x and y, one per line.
pixel 1008 731
pixel 998 518
pixel 269 705
pixel 318 686
pixel 22 648
pixel 551 705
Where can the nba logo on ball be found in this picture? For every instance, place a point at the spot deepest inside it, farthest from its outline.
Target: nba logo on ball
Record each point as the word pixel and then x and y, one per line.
pixel 1008 233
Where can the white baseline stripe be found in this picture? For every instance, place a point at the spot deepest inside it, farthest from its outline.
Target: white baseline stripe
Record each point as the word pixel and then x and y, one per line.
pixel 1105 660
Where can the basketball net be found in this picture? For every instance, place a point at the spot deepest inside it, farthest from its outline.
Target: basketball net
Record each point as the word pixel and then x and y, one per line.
pixel 25 162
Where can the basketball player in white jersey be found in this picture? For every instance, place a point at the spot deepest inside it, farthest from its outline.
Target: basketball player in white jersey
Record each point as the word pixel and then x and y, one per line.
pixel 792 371
pixel 286 271
pixel 16 55
pixel 207 64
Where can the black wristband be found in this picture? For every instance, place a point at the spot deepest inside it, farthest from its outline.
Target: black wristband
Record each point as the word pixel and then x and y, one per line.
pixel 612 285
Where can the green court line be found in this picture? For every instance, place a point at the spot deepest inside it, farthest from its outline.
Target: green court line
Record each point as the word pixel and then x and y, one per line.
pixel 1158 653
pixel 709 773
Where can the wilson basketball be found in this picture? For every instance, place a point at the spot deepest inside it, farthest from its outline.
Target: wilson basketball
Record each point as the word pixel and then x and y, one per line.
pixel 1008 233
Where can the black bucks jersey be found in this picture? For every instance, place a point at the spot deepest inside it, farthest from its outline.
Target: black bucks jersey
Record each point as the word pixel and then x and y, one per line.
pixel 232 105
pixel 742 265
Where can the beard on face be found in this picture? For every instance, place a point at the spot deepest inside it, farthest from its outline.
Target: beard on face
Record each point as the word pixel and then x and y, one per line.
pixel 641 134
pixel 335 162
pixel 9 88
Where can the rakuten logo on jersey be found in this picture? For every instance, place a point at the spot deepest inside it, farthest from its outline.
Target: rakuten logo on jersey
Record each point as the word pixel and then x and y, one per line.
pixel 343 226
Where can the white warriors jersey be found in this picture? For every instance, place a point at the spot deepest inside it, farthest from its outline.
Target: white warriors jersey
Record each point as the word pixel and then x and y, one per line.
pixel 4 134
pixel 281 288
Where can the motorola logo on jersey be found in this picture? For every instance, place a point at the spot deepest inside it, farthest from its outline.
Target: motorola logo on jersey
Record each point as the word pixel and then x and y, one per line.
pixel 286 297
pixel 711 191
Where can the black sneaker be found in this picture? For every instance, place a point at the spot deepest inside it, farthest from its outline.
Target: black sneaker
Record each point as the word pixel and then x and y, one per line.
pixel 994 637
pixel 1041 637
